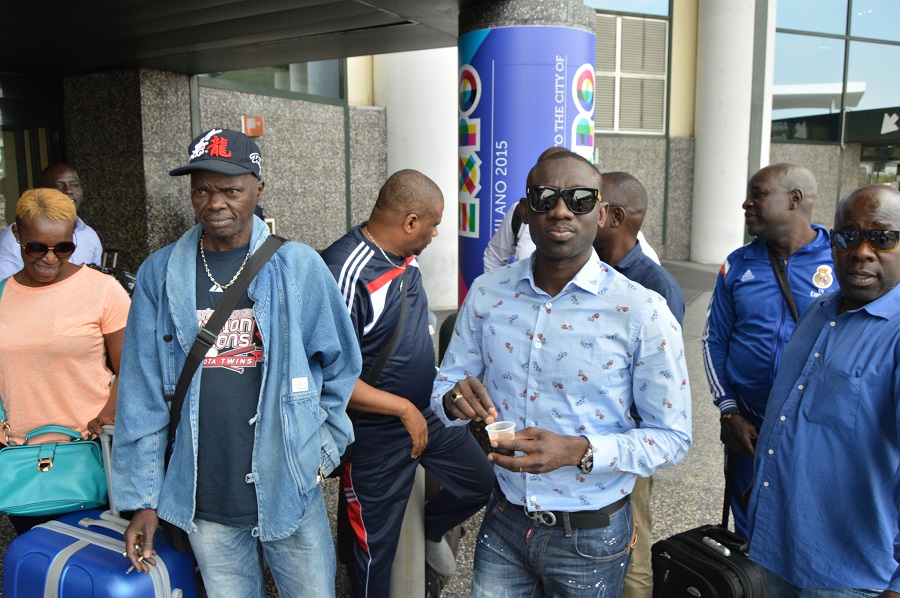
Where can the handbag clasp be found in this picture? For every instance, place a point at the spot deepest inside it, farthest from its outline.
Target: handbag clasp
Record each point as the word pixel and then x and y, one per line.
pixel 45 464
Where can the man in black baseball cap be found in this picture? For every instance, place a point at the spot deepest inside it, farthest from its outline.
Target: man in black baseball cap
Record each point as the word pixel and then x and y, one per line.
pixel 265 416
pixel 226 184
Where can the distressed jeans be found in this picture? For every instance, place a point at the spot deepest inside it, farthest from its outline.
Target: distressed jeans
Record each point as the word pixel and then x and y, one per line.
pixel 515 557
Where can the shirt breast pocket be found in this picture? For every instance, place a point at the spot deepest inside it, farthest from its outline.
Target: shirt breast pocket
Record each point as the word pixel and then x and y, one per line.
pixel 833 398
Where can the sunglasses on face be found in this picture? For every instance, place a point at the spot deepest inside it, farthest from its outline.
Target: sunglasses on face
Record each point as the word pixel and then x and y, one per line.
pixel 879 240
pixel 37 250
pixel 579 200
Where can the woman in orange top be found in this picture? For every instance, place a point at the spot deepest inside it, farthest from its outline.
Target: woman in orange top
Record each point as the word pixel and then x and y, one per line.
pixel 61 327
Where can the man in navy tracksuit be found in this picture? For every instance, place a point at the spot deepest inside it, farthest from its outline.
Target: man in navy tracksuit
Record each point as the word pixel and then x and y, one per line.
pixel 749 322
pixel 394 426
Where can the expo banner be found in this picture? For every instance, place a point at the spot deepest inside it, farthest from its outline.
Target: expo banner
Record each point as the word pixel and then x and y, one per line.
pixel 521 90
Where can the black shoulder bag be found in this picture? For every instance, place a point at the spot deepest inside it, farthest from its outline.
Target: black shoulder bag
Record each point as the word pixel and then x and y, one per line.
pixel 202 343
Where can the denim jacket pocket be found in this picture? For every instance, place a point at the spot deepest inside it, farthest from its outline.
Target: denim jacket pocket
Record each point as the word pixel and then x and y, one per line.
pixel 302 418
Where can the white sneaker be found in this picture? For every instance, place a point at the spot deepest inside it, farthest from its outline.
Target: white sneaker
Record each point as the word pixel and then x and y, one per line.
pixel 440 557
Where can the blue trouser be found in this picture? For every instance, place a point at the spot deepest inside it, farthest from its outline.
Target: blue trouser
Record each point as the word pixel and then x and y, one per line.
pixel 379 477
pixel 741 478
pixel 517 557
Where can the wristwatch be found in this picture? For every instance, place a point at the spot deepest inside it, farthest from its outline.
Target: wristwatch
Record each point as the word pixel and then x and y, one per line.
pixel 587 461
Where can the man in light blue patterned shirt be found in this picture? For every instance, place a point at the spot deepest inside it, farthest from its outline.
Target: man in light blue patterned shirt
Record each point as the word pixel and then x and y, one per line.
pixel 565 346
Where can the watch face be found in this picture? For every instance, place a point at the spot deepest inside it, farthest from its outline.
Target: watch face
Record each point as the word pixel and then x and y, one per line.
pixel 587 462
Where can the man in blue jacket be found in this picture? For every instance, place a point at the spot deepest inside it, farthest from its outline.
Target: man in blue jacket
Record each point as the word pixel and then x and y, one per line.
pixel 749 321
pixel 264 418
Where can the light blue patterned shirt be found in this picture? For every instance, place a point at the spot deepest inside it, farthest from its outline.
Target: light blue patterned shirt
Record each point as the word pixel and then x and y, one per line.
pixel 573 364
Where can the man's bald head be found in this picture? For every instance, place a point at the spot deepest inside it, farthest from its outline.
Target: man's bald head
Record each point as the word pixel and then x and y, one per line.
pixel 406 214
pixel 622 189
pixel 794 176
pixel 406 192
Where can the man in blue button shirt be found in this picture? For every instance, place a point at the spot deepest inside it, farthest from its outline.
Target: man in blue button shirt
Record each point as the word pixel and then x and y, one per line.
pixel 565 345
pixel 823 514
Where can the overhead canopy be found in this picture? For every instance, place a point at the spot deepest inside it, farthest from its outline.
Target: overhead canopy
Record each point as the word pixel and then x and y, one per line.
pixel 200 36
pixel 817 95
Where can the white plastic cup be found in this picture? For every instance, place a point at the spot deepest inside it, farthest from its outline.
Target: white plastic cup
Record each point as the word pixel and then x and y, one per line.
pixel 501 431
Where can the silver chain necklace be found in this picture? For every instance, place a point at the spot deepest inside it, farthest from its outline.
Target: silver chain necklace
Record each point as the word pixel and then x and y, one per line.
pixel 390 261
pixel 208 273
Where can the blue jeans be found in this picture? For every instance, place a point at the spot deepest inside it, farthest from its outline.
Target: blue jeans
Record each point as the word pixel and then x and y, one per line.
pixel 516 557
pixel 778 588
pixel 303 564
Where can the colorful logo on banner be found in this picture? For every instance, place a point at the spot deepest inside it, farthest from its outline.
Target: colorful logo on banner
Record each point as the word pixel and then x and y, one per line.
pixel 582 141
pixel 469 146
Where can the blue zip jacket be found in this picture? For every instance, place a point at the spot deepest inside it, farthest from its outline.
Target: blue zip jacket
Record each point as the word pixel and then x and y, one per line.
pixel 311 363
pixel 749 323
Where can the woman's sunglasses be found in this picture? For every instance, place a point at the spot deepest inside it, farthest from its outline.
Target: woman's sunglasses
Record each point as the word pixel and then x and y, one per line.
pixel 37 250
pixel 879 240
pixel 579 200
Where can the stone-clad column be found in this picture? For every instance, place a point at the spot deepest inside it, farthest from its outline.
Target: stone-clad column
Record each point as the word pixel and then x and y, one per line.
pixel 526 82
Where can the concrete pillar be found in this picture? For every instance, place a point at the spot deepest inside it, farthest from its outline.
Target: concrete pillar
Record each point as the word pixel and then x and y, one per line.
pixel 526 82
pixel 418 91
pixel 722 125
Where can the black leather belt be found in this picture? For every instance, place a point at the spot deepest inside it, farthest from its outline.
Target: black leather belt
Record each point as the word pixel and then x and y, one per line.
pixel 578 519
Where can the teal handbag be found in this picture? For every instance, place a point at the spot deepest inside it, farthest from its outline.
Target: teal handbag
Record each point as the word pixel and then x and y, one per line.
pixel 50 478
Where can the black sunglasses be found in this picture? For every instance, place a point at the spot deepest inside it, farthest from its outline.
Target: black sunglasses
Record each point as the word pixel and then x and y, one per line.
pixel 879 240
pixel 579 200
pixel 37 250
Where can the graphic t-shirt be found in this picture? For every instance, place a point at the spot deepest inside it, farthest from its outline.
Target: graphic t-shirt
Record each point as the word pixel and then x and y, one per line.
pixel 229 393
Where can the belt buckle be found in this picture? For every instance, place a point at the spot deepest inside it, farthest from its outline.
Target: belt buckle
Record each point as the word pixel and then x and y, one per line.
pixel 544 517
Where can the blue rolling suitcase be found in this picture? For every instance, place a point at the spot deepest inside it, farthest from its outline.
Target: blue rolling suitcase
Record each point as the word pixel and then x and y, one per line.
pixel 80 555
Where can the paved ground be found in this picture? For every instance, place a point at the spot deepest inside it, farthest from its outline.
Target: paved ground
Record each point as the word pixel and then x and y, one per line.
pixel 683 496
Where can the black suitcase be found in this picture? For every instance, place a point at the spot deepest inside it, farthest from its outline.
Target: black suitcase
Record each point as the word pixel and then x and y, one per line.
pixel 708 561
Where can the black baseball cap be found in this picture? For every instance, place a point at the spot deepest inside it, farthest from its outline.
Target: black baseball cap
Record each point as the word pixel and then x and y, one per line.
pixel 223 151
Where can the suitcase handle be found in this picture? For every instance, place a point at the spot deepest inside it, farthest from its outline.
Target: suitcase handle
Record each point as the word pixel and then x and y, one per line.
pixel 109 431
pixel 110 525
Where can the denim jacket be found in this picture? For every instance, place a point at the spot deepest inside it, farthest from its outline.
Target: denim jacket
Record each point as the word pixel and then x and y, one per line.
pixel 312 362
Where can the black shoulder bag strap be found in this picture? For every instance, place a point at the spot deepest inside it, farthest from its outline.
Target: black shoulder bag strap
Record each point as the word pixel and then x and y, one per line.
pixel 781 276
pixel 207 335
pixel 386 350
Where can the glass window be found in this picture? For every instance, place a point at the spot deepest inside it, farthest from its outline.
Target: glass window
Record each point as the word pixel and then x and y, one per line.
pixel 808 82
pixel 819 16
pixel 876 19
pixel 320 78
pixel 867 71
pixel 632 59
pixel 646 7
